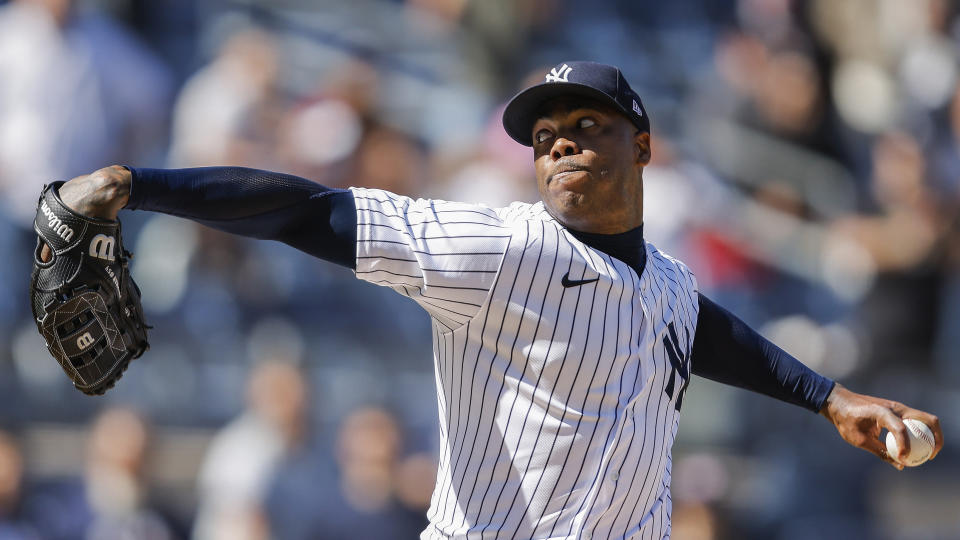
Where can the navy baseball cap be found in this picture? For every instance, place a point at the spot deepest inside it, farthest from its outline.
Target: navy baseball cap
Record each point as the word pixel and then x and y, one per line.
pixel 589 79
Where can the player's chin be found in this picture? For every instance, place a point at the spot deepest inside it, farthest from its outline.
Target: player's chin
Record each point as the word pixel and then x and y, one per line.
pixel 572 209
pixel 565 202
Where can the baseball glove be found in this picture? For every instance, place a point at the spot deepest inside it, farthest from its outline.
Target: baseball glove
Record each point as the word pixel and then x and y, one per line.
pixel 85 303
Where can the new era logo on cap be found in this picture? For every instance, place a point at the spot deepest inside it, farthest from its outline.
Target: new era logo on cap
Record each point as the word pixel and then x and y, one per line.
pixel 599 82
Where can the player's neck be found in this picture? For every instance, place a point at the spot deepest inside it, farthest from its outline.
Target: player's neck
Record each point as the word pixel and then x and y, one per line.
pixel 627 246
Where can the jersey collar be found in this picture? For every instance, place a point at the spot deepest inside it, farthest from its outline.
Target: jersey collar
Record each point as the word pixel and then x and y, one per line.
pixel 628 246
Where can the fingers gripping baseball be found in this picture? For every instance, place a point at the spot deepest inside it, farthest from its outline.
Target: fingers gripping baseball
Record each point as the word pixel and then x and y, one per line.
pixel 861 427
pixel 860 419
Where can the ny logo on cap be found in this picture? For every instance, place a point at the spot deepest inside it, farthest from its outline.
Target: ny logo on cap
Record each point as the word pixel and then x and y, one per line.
pixel 559 74
pixel 636 108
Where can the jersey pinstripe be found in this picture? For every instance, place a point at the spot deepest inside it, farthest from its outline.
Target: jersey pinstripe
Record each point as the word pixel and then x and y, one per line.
pixel 560 372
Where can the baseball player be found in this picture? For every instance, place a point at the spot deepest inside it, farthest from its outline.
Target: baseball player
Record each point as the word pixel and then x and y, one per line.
pixel 564 343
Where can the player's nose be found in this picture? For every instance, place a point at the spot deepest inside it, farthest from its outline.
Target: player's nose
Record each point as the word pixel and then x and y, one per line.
pixel 563 147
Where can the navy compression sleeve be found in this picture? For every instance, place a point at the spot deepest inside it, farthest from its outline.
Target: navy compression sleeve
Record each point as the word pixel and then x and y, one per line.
pixel 312 218
pixel 728 351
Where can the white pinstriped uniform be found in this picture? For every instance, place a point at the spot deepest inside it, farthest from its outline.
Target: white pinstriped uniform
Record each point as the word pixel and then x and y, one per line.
pixel 558 404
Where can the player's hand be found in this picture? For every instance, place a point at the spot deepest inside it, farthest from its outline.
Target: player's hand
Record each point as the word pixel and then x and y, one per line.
pixel 860 419
pixel 100 194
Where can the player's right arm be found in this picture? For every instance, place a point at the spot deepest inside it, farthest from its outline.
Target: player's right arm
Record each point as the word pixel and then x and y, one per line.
pixel 441 254
pixel 260 204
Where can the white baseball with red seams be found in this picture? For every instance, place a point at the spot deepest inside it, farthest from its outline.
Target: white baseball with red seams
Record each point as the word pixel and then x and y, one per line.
pixel 921 443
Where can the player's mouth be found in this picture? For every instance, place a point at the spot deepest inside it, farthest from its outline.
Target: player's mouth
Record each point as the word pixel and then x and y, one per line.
pixel 568 174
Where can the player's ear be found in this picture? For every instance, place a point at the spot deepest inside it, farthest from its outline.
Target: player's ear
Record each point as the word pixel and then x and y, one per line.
pixel 641 148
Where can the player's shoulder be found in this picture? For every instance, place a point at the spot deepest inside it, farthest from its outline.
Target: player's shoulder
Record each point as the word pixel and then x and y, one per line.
pixel 512 214
pixel 366 198
pixel 654 251
pixel 518 212
pixel 660 261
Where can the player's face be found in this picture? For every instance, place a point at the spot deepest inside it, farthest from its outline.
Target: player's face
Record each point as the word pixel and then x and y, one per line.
pixel 589 159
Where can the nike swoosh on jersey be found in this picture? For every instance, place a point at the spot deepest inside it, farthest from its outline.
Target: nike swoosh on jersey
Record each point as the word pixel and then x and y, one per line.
pixel 567 282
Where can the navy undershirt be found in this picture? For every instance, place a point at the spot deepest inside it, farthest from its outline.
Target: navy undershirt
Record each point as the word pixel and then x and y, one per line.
pixel 322 222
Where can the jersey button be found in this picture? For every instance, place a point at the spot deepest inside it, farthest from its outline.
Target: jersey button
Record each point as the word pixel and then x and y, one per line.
pixel 614 476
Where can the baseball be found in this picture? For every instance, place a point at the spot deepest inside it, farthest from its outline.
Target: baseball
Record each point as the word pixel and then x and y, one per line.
pixel 921 443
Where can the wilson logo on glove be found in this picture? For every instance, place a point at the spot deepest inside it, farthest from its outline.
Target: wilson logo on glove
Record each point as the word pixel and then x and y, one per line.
pixel 84 341
pixel 101 247
pixel 59 227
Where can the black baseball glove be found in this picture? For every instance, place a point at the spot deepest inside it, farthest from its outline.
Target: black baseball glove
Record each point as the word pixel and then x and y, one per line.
pixel 85 303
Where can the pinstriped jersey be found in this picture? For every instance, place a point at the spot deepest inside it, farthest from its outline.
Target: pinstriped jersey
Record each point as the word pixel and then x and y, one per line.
pixel 560 372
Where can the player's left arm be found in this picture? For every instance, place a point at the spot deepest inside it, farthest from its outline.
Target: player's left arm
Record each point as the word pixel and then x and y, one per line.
pixel 727 350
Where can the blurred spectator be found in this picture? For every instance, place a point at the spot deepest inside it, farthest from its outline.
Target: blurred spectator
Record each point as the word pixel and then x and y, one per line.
pixel 695 522
pixel 113 500
pixel 910 222
pixel 115 488
pixel 497 172
pixel 362 497
pixel 901 239
pixel 77 91
pixel 14 524
pixel 788 98
pixel 367 451
pixel 320 135
pixel 391 160
pixel 228 112
pixel 414 482
pixel 243 456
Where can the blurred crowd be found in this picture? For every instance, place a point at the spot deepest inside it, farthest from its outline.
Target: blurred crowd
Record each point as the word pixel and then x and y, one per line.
pixel 806 165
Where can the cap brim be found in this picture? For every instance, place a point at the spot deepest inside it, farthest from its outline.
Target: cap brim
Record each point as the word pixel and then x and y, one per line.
pixel 521 112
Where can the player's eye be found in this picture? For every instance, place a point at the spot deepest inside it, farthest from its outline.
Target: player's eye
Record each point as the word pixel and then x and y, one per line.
pixel 586 122
pixel 542 136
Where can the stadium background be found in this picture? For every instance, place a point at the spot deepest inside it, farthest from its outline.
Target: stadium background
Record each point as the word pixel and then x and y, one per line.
pixel 806 166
